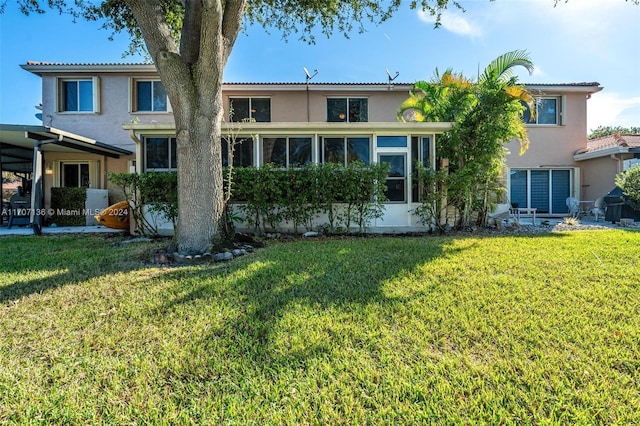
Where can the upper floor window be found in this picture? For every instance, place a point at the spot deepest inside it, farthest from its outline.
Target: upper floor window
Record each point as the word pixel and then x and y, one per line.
pixel 78 95
pixel 547 112
pixel 250 109
pixel 350 110
pixel 150 96
pixel 160 153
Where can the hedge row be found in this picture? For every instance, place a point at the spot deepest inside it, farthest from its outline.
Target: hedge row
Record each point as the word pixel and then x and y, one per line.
pixel 347 196
pixel 269 196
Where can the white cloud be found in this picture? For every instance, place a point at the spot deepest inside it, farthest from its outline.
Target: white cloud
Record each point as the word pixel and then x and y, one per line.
pixel 453 22
pixel 613 109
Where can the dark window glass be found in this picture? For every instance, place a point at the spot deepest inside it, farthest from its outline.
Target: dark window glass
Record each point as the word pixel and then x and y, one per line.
pixel 518 193
pixel 359 149
pixel 336 110
pixel 299 151
pixel 173 155
pixel 243 153
pixel 157 153
pixel 239 109
pixel 70 175
pixel 144 96
pixel 70 101
pixel 547 111
pixel 560 190
pixel 261 110
pixel 333 150
pixel 395 183
pixel 392 141
pixel 75 175
pixel 274 150
pixel 358 110
pixel 159 97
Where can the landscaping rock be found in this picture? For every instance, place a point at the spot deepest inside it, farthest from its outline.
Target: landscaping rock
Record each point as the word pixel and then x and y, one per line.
pixel 138 240
pixel 223 257
pixel 310 234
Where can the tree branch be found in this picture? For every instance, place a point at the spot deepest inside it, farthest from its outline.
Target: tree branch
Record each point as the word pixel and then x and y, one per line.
pixel 231 23
pixel 191 30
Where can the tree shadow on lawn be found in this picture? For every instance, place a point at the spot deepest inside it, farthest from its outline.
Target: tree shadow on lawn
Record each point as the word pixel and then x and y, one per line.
pixel 329 290
pixel 43 263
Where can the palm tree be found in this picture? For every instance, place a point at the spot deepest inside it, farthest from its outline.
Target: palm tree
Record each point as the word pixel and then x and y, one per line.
pixel 485 115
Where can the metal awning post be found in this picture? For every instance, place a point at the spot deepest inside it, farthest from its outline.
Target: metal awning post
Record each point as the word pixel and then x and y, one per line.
pixel 37 190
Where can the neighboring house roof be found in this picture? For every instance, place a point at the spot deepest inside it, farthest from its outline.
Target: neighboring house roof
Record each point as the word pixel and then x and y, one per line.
pixel 608 145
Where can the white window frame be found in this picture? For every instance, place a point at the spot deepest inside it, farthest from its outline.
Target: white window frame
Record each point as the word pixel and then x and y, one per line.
pixel 59 93
pixel 560 111
pixel 93 171
pixel 133 96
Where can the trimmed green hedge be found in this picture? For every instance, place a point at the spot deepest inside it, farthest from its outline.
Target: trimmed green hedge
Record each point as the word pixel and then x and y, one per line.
pixel 68 205
pixel 269 195
pixel 349 196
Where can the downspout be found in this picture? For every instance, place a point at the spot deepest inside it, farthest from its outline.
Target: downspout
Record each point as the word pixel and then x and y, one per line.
pixel 139 152
pixel 619 160
pixel 35 216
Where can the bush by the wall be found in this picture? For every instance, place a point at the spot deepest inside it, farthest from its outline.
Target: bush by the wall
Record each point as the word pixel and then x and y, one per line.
pixel 68 205
pixel 272 195
pixel 158 190
pixel 269 196
pixel 629 182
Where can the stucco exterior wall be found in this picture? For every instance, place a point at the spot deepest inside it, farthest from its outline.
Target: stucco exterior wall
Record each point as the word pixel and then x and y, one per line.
pixel 554 145
pixel 105 126
pixel 291 105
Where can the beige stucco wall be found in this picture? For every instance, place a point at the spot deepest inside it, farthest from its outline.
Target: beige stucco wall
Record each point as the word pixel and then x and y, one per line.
pixel 599 175
pixel 291 105
pixel 105 126
pixel 554 146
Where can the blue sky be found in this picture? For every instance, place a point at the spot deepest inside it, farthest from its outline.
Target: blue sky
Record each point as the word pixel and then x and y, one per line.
pixel 577 41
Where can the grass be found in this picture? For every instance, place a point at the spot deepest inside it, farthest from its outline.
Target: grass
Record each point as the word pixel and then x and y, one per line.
pixel 540 329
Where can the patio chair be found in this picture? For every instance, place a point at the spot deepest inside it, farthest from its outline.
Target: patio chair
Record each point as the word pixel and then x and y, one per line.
pixel 598 208
pixel 574 206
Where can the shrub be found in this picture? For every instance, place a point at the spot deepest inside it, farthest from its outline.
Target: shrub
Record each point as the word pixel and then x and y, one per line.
pixel 629 182
pixel 68 205
pixel 158 190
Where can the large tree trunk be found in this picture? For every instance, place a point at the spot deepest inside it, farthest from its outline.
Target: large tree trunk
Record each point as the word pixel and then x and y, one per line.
pixel 200 194
pixel 192 76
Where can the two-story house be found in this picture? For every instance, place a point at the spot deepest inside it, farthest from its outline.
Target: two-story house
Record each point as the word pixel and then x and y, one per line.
pixel 125 107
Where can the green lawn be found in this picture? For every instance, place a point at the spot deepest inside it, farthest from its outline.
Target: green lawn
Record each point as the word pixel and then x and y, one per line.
pixel 538 329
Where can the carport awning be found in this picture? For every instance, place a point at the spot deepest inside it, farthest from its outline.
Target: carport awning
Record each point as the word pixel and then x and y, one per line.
pixel 17 143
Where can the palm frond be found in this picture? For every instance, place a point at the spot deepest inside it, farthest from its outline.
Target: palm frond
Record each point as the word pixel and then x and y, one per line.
pixel 501 68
